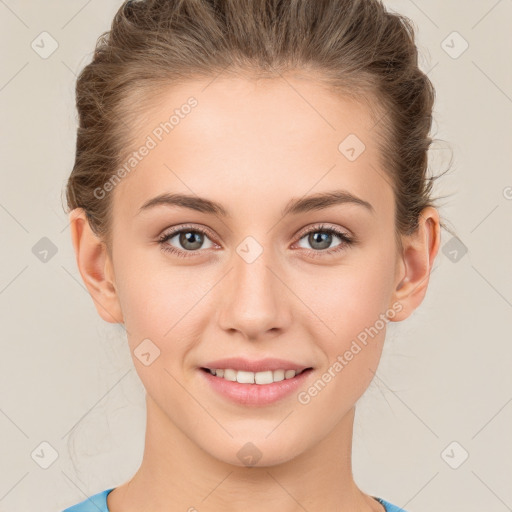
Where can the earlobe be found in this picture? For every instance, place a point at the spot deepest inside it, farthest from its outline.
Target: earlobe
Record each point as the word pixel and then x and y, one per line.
pixel 417 259
pixel 95 267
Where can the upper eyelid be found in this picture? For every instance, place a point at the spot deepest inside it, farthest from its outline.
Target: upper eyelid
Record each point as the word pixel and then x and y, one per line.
pixel 323 226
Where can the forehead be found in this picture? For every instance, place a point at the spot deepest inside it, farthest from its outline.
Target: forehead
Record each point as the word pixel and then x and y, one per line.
pixel 237 140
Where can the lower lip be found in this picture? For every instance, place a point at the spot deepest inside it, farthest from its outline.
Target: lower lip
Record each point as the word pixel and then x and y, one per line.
pixel 255 394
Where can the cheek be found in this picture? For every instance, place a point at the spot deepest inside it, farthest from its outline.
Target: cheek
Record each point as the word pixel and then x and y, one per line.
pixel 350 297
pixel 159 299
pixel 351 307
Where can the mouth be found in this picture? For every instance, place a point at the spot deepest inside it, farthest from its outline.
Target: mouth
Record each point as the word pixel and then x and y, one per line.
pixel 251 389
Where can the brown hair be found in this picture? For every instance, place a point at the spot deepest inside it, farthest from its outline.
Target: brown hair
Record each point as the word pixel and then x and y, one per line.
pixel 356 47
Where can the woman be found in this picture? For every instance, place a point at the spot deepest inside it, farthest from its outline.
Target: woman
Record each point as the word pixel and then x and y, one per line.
pixel 250 200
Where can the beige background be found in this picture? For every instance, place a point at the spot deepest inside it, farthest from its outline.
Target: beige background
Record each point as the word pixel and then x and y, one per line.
pixel 66 377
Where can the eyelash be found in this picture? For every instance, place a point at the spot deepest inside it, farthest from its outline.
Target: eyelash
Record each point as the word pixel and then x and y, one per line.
pixel 346 241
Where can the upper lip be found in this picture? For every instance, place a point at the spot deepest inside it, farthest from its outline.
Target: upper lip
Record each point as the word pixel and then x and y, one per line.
pixel 260 365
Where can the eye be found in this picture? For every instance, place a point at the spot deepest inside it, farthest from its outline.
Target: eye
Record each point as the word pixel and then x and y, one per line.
pixel 189 238
pixel 321 243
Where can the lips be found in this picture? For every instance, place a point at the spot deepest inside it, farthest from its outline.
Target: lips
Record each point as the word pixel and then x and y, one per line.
pixel 254 395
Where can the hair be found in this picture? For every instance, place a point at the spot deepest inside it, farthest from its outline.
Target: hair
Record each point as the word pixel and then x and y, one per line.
pixel 355 47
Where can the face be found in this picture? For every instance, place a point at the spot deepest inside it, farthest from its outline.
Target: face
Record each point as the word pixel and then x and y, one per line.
pixel 255 278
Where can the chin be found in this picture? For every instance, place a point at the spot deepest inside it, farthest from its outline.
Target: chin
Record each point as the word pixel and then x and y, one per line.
pixel 257 453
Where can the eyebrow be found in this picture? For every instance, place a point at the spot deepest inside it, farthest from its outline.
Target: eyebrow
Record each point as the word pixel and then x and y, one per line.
pixel 295 206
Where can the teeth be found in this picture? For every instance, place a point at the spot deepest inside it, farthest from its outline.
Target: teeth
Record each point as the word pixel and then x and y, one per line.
pixel 243 377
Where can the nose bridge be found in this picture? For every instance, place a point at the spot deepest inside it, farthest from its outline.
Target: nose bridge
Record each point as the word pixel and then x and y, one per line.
pixel 253 281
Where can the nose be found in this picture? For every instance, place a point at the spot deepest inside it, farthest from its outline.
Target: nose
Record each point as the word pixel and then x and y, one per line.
pixel 254 298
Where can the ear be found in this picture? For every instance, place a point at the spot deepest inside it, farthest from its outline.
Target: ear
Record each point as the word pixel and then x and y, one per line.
pixel 95 267
pixel 415 263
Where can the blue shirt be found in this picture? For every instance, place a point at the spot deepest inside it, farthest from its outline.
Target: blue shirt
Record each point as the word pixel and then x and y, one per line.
pixel 98 503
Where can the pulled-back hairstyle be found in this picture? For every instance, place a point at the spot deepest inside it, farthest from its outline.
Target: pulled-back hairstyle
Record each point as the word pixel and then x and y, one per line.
pixel 356 47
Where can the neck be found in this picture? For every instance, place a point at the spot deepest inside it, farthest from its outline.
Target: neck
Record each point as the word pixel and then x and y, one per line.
pixel 177 473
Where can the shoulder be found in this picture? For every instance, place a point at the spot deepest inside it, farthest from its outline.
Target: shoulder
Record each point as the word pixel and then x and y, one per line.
pixel 96 503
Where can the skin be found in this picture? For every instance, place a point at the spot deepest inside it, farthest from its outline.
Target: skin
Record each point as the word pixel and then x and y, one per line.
pixel 253 145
